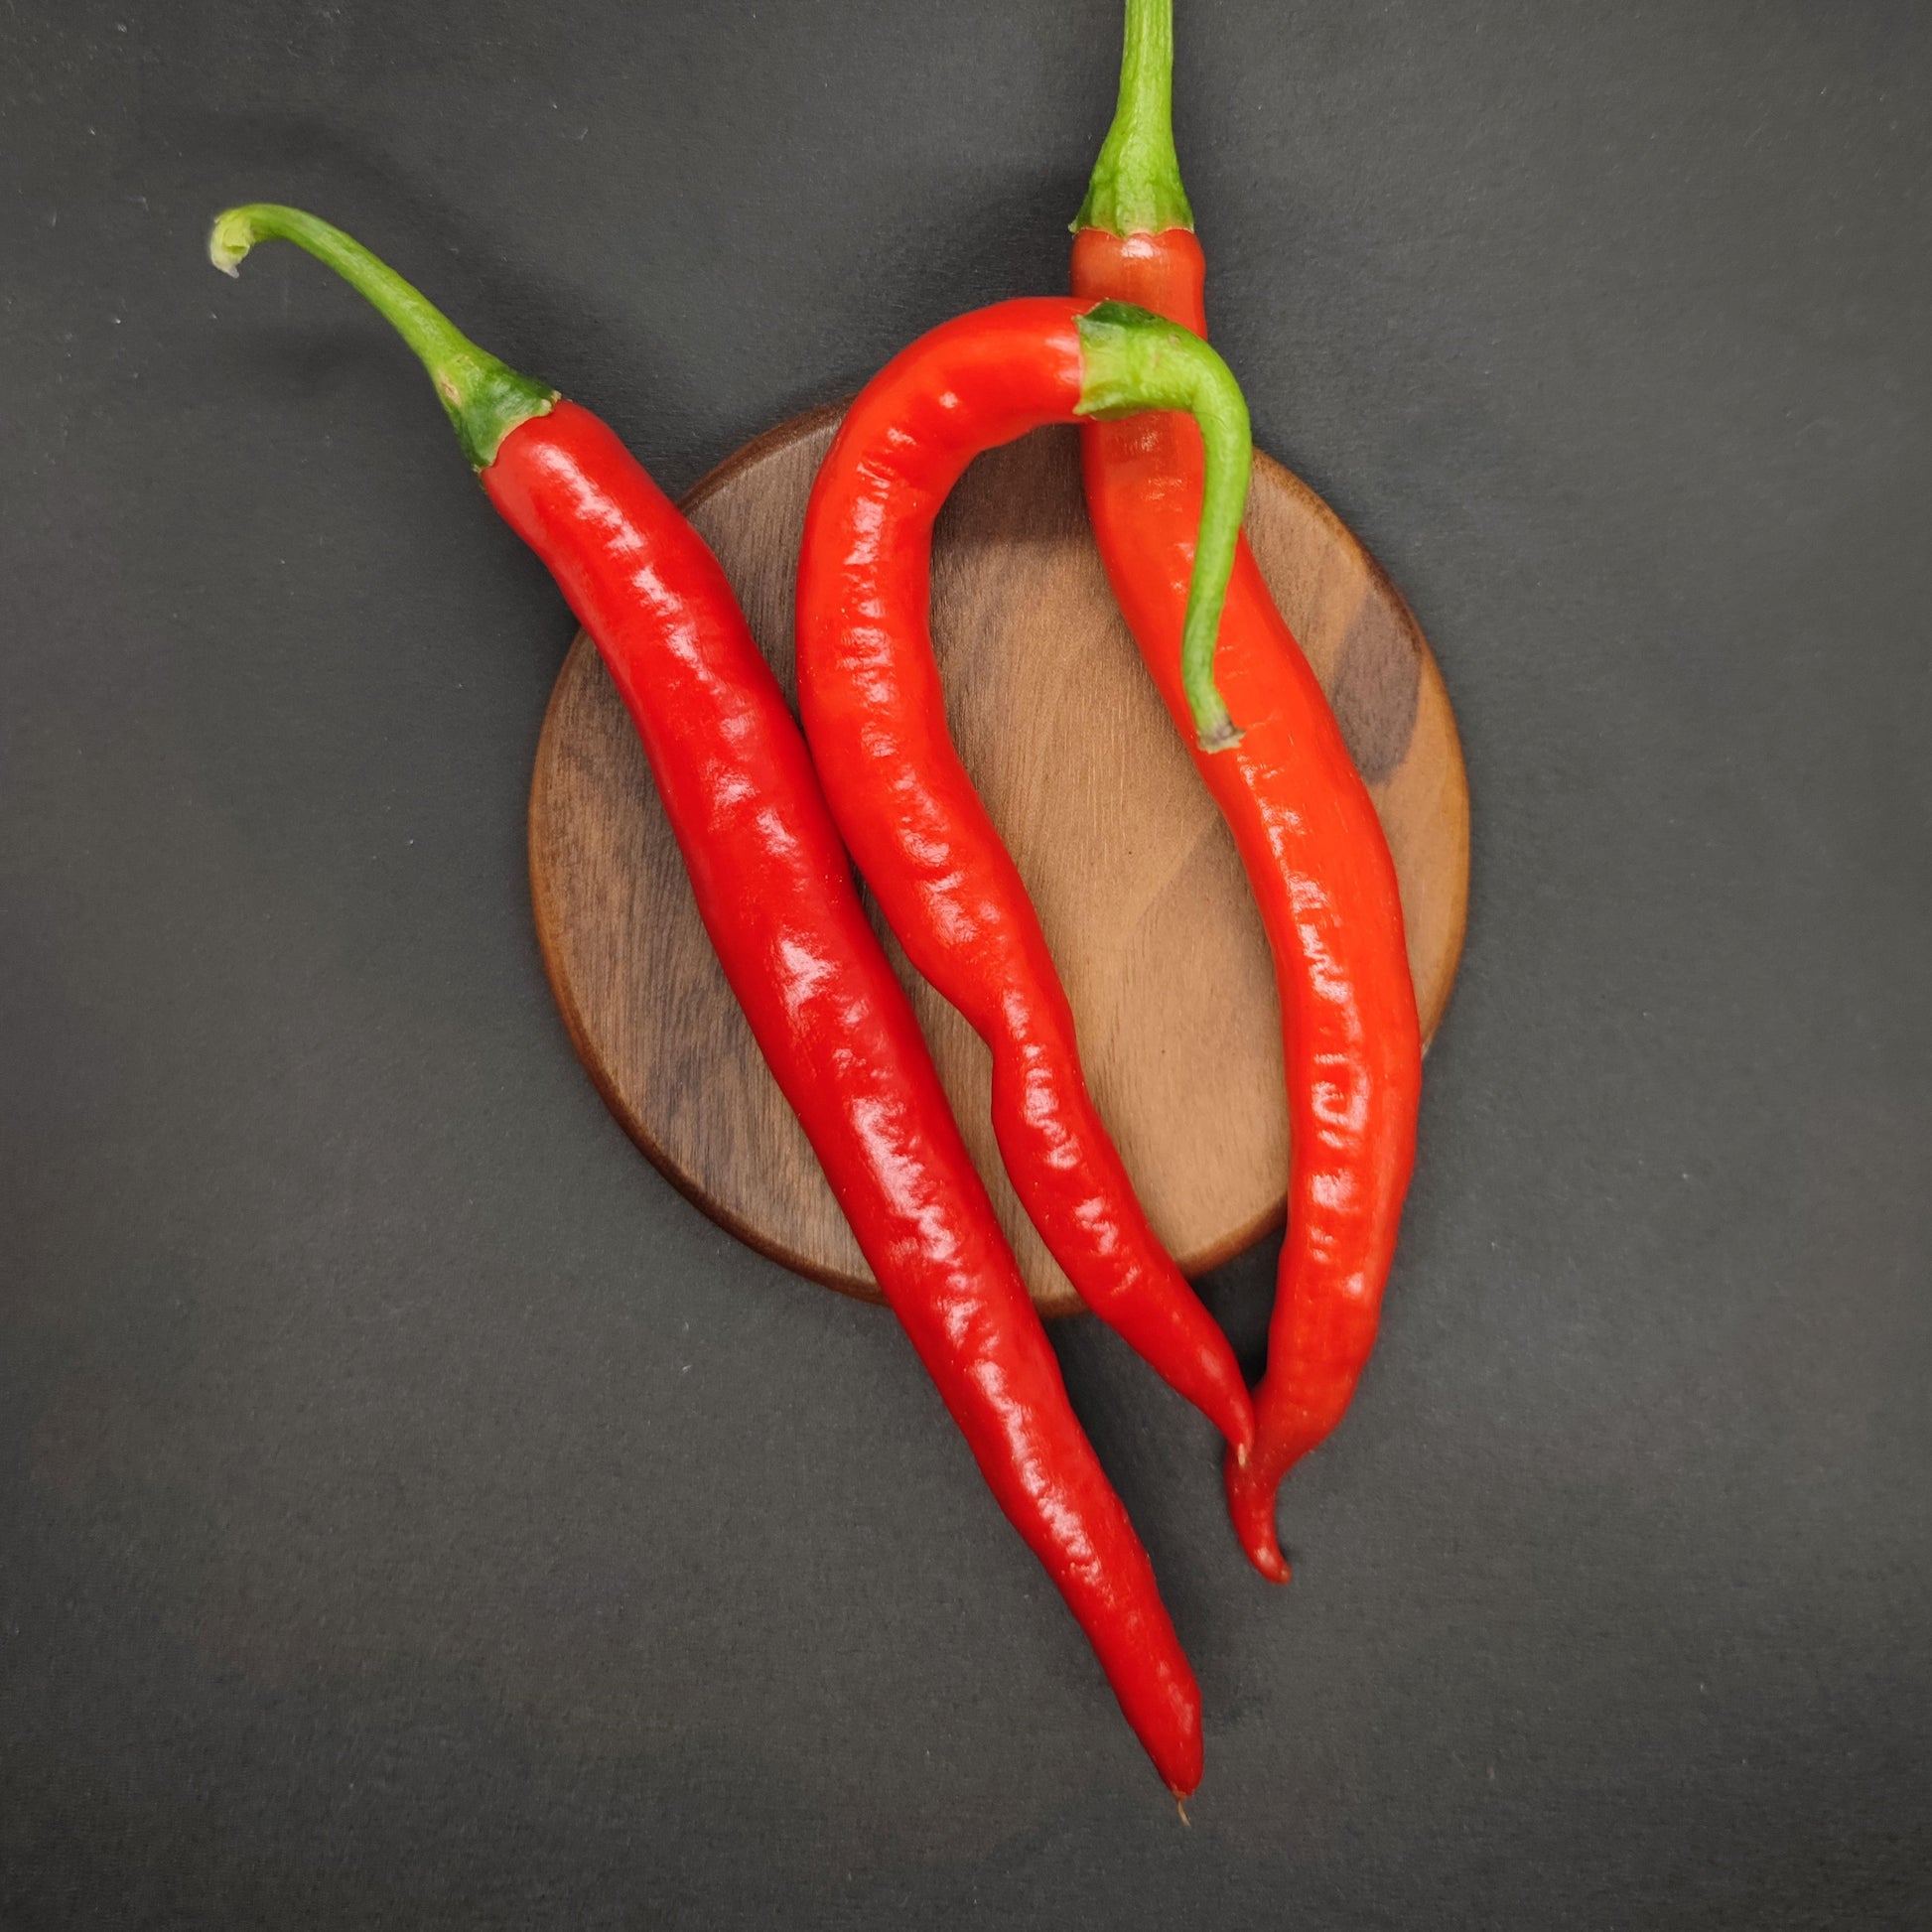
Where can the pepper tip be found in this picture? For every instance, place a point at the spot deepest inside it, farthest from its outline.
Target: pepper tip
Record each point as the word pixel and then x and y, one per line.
pixel 1251 1505
pixel 1271 1564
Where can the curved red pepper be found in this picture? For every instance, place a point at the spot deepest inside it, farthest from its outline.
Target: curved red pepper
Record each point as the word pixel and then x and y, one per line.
pixel 1303 819
pixel 869 695
pixel 776 895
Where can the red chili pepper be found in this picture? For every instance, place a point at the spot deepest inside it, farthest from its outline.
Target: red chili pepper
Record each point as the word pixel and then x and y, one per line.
pixel 776 894
pixel 869 695
pixel 1300 815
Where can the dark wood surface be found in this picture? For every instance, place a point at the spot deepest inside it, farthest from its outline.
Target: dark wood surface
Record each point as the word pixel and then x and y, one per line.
pixel 1136 879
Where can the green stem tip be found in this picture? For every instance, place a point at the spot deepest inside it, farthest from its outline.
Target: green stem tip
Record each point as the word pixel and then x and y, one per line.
pixel 1135 187
pixel 1131 362
pixel 485 399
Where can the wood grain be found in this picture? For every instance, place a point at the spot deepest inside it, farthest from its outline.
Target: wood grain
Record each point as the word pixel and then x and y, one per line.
pixel 1136 879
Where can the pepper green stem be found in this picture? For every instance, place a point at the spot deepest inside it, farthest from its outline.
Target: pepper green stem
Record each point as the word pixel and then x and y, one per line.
pixel 1131 362
pixel 1135 187
pixel 485 400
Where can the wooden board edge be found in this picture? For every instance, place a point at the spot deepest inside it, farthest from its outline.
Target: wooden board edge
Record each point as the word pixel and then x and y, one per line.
pixel 1435 687
pixel 780 436
pixel 550 945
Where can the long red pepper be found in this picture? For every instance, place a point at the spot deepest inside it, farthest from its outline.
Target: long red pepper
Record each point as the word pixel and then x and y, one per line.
pixel 1300 815
pixel 776 895
pixel 869 695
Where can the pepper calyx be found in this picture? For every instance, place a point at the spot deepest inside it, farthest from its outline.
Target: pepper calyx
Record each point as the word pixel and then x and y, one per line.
pixel 1136 185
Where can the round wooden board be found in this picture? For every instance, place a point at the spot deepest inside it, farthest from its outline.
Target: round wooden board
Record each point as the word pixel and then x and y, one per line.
pixel 1135 877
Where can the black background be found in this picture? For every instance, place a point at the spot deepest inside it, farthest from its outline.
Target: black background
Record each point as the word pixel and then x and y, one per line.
pixel 413 1513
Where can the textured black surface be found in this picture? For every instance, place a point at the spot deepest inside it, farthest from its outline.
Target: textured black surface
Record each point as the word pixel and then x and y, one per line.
pixel 412 1513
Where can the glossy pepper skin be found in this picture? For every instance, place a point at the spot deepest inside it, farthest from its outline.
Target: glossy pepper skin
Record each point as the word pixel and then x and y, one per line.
pixel 870 694
pixel 778 898
pixel 1302 820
